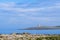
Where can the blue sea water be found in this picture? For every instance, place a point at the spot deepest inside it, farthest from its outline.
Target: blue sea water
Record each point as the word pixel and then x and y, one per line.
pixel 8 31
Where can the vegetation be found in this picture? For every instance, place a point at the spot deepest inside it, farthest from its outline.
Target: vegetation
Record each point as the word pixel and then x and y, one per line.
pixel 49 38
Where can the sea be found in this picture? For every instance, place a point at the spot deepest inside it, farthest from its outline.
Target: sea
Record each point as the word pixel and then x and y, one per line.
pixel 9 31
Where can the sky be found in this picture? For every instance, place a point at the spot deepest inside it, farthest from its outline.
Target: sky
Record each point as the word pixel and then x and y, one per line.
pixel 29 13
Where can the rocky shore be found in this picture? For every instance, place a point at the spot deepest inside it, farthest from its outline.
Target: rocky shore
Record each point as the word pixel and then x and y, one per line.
pixel 28 36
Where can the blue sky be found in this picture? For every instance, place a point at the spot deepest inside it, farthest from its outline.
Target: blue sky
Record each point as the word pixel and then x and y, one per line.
pixel 27 13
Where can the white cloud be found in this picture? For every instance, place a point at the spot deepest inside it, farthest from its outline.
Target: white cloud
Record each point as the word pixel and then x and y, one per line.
pixel 21 15
pixel 11 7
pixel 7 5
pixel 57 4
pixel 46 19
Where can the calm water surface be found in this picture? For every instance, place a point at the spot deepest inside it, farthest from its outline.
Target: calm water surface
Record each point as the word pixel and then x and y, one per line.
pixel 8 31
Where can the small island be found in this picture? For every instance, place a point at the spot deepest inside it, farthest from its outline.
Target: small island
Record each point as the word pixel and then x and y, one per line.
pixel 42 28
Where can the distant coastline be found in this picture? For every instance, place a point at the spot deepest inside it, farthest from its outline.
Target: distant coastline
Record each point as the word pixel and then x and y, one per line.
pixel 42 28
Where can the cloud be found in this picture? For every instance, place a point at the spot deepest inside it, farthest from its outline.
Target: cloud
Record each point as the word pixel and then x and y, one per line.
pixel 27 13
pixel 58 4
pixel 12 7
pixel 46 19
pixel 7 5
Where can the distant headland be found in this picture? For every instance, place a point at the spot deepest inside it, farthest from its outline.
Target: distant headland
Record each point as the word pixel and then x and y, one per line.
pixel 42 28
